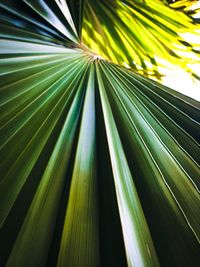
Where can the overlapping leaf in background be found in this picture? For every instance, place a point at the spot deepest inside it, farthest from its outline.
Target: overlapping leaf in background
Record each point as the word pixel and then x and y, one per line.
pixel 190 7
pixel 99 165
pixel 137 34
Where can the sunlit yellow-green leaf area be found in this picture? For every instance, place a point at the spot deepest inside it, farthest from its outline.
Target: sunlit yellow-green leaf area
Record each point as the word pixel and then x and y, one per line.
pixel 99 133
pixel 149 36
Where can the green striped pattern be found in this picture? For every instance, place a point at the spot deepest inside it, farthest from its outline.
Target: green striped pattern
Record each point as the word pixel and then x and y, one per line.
pixel 99 165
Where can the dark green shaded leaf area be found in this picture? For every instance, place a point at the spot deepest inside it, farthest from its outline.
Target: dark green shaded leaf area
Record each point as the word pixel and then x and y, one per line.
pixel 99 165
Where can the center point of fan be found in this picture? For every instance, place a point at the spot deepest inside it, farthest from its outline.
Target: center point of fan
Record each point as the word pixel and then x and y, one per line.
pixel 90 53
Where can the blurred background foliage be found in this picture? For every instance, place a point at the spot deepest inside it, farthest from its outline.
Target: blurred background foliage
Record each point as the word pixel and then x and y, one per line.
pixel 158 39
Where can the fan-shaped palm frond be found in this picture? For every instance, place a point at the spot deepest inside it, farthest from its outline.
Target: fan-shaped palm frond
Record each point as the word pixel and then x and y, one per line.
pixel 99 164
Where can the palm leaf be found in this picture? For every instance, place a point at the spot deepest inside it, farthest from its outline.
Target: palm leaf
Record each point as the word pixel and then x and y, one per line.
pixel 190 8
pixel 99 164
pixel 136 34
